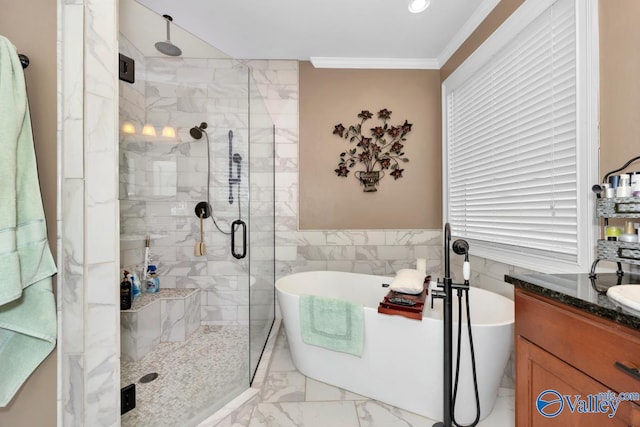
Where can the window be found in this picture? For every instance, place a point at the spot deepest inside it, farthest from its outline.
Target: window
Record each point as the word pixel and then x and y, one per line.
pixel 519 143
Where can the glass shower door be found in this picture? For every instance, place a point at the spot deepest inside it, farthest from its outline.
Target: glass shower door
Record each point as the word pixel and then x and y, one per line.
pixel 262 226
pixel 210 320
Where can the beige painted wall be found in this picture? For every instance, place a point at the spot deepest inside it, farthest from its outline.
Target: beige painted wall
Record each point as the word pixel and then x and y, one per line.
pixel 31 26
pixel 496 17
pixel 619 83
pixel 332 96
pixel 328 97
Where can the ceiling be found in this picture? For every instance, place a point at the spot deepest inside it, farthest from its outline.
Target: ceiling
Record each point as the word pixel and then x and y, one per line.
pixel 348 33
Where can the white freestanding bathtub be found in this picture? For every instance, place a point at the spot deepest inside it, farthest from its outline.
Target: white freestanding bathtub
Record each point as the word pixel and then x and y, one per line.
pixel 402 361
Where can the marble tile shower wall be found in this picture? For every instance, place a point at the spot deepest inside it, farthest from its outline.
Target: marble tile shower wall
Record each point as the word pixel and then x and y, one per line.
pixel 88 337
pixel 132 95
pixel 163 178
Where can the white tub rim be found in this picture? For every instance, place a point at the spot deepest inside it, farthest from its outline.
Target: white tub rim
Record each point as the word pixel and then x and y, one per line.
pixel 285 283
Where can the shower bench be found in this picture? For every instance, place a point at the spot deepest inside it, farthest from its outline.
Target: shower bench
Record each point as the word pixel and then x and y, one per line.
pixel 167 316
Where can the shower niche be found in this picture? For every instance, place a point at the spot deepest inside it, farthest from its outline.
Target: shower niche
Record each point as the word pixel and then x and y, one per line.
pixel 165 172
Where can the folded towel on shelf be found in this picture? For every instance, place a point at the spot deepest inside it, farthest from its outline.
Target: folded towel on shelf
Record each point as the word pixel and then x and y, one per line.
pixel 333 324
pixel 27 306
pixel 408 281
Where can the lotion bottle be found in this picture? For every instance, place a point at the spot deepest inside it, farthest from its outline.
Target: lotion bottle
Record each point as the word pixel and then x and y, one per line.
pixel 629 234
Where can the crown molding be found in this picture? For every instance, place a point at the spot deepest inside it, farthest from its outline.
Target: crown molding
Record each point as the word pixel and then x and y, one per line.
pixel 413 63
pixel 469 27
pixel 376 63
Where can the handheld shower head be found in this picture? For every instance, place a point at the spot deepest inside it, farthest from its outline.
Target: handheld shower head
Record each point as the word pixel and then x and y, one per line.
pixel 461 247
pixel 196 131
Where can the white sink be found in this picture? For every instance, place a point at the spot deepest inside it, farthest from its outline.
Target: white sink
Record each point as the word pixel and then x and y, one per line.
pixel 627 297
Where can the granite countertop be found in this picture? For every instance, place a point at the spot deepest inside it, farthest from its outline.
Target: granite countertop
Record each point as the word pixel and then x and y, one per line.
pixel 580 291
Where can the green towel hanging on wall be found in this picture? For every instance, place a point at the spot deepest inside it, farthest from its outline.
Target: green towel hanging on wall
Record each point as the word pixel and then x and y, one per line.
pixel 27 306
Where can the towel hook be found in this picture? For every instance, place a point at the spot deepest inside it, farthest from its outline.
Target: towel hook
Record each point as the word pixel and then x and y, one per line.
pixel 24 60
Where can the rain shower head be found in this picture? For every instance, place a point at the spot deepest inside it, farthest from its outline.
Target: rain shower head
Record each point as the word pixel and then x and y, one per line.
pixel 167 47
pixel 196 131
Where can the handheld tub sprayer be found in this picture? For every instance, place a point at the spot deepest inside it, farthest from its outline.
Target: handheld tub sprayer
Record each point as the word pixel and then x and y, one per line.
pixel 460 247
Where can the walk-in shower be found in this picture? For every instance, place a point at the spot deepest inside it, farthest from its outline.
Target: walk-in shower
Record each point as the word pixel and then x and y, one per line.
pixel 204 332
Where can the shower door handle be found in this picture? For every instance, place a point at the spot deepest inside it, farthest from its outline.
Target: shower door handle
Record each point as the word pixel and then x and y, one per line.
pixel 234 227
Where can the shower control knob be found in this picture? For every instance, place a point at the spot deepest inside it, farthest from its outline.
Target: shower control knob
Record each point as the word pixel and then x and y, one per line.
pixel 203 209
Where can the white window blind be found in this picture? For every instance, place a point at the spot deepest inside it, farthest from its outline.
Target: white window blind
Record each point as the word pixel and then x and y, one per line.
pixel 511 141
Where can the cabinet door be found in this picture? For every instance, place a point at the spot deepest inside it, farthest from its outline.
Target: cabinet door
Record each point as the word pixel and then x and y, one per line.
pixel 588 343
pixel 538 371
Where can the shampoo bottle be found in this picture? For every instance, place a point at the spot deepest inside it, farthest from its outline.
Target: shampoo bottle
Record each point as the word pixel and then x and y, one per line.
pixel 125 293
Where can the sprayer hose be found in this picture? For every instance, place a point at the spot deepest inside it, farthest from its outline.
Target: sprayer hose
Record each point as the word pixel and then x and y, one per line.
pixel 473 361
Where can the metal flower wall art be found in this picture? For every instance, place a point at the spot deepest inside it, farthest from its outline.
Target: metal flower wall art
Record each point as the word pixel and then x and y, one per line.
pixel 381 151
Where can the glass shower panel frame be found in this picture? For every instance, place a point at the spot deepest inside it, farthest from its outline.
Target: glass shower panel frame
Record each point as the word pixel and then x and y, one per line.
pixel 262 221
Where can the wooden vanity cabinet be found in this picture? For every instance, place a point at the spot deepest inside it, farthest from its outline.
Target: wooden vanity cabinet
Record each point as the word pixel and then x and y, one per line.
pixel 574 353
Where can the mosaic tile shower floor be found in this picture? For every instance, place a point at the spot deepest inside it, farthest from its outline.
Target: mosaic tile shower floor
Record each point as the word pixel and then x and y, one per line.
pixel 210 366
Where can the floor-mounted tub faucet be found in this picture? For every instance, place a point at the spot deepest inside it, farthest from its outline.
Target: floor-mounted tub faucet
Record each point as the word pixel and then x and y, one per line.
pixel 445 292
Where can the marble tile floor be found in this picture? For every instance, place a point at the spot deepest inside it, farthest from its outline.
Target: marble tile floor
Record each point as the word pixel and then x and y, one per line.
pixel 210 366
pixel 288 398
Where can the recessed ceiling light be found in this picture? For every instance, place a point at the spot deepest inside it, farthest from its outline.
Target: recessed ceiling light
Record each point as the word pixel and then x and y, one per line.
pixel 417 6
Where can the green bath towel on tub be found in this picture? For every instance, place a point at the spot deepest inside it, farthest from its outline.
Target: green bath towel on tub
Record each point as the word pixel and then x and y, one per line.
pixel 333 324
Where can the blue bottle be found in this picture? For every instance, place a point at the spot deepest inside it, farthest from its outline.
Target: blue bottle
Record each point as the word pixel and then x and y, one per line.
pixel 153 282
pixel 135 284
